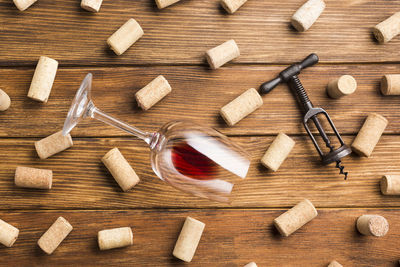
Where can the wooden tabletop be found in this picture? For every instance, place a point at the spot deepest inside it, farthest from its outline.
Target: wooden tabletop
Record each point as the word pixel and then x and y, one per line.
pixel 173 45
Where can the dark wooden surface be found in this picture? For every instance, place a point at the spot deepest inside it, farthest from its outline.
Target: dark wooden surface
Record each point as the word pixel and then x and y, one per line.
pixel 173 45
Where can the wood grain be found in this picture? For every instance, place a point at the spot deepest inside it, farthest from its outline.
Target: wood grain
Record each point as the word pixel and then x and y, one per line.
pixel 197 94
pixel 180 34
pixel 231 238
pixel 81 181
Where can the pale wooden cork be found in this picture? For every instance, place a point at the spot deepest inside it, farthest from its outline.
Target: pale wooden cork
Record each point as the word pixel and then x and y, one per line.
pixel 290 221
pixel 125 36
pixel 91 5
pixel 23 4
pixel 372 225
pixel 390 185
pixel 277 152
pixel 53 237
pixel 43 79
pixel 369 135
pixel 164 3
pixel 334 264
pixel 307 14
pixel 342 86
pixel 33 178
pixel 390 84
pixel 8 234
pixel 115 238
pixel 53 144
pixel 188 239
pixel 153 92
pixel 5 101
pixel 120 169
pixel 251 264
pixel 387 29
pixel 241 106
pixel 231 6
pixel 218 56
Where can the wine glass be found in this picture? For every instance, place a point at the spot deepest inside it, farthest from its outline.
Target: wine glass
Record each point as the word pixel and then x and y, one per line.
pixel 195 159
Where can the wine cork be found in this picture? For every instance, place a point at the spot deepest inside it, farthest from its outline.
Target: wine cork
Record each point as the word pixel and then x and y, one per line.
pixel 125 36
pixel 115 238
pixel 277 152
pixel 335 264
pixel 369 134
pixel 33 178
pixel 53 144
pixel 390 185
pixel 231 6
pixel 5 101
pixel 8 234
pixel 373 225
pixel 188 239
pixel 251 264
pixel 387 29
pixel 156 90
pixel 290 221
pixel 23 4
pixel 91 5
pixel 53 237
pixel 120 169
pixel 390 84
pixel 307 14
pixel 43 79
pixel 344 85
pixel 241 106
pixel 164 3
pixel 218 56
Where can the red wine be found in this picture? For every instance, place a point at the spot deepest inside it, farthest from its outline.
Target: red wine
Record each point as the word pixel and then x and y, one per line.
pixel 190 162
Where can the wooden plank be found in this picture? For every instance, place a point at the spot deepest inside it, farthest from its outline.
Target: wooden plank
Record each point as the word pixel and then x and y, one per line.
pixel 230 238
pixel 197 95
pixel 81 180
pixel 183 32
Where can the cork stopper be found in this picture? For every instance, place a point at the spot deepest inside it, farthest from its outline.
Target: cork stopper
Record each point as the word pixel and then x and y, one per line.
pixel 91 5
pixel 372 225
pixel 369 134
pixel 307 14
pixel 188 239
pixel 43 79
pixel 125 36
pixel 390 185
pixel 53 237
pixel 33 178
pixel 120 169
pixel 390 84
pixel 115 238
pixel 335 264
pixel 387 29
pixel 222 54
pixel 53 144
pixel 5 101
pixel 23 4
pixel 156 90
pixel 231 6
pixel 8 234
pixel 344 85
pixel 293 219
pixel 277 152
pixel 164 3
pixel 241 106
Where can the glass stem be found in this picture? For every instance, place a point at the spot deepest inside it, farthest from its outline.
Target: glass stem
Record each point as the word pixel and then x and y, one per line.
pixel 96 113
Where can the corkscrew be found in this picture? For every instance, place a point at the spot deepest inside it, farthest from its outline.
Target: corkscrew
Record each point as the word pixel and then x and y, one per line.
pixel 289 75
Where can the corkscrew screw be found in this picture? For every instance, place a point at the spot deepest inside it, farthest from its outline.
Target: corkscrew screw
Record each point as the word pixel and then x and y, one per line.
pixel 289 75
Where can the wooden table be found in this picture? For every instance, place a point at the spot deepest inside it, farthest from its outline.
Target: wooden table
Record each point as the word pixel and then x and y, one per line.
pixel 173 45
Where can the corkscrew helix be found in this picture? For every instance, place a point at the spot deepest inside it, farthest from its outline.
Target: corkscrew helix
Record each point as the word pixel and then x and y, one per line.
pixel 289 75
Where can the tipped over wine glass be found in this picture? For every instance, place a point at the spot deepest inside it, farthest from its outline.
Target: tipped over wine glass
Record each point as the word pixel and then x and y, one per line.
pixel 192 158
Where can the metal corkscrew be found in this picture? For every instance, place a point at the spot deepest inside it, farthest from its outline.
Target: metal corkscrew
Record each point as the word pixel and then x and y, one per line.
pixel 289 75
